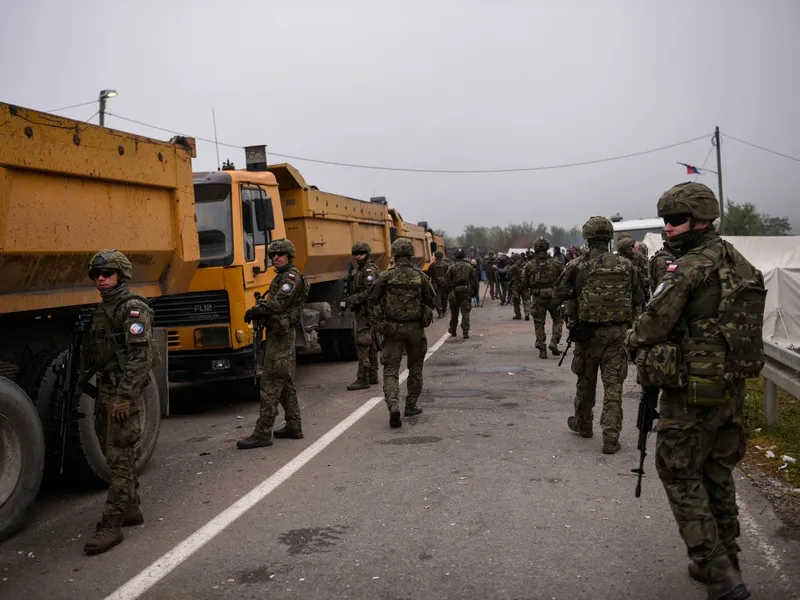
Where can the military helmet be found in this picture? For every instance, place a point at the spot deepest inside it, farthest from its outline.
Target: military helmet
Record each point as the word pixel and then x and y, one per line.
pixel 439 254
pixel 624 241
pixel 282 246
pixel 460 253
pixel 541 244
pixel 361 248
pixel 689 198
pixel 111 259
pixel 402 247
pixel 597 228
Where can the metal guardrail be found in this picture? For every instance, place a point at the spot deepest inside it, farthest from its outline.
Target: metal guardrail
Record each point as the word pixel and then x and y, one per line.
pixel 781 370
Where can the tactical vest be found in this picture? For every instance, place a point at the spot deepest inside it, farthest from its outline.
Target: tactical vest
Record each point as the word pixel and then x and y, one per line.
pixel 542 273
pixel 461 273
pixel 403 296
pixel 604 290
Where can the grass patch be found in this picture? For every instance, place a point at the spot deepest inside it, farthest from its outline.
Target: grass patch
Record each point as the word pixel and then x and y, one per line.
pixel 785 436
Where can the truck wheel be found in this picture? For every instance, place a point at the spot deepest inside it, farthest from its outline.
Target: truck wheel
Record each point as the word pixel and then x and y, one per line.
pixel 21 456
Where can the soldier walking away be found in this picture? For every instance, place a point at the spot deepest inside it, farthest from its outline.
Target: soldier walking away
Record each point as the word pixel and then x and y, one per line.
pixel 519 292
pixel 540 275
pixel 491 275
pixel 122 346
pixel 405 301
pixel 606 287
pixel 625 246
pixel 366 346
pixel 661 261
pixel 479 274
pixel 710 305
pixel 461 282
pixel 279 311
pixel 501 272
pixel 436 271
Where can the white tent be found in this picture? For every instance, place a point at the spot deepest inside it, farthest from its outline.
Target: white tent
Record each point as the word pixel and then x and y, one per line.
pixel 778 258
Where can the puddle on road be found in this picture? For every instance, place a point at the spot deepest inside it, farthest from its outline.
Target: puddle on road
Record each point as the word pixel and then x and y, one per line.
pixel 501 369
pixel 313 539
pixel 510 404
pixel 406 441
pixel 495 397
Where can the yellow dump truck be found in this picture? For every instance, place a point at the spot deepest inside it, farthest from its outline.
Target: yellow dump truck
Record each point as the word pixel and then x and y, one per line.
pixel 418 236
pixel 68 189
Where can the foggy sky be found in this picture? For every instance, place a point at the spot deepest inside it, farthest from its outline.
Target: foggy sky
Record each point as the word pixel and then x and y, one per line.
pixel 441 85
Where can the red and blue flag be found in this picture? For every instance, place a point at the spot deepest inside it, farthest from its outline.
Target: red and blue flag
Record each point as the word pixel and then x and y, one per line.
pixel 691 169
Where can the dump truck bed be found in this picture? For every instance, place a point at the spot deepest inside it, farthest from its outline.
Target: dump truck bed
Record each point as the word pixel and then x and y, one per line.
pixel 324 226
pixel 68 189
pixel 415 233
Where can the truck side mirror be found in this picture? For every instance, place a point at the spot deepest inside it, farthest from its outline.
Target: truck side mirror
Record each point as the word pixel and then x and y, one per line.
pixel 433 246
pixel 265 218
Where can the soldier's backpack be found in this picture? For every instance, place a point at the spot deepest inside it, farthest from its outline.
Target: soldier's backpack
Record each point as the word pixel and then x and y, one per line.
pixel 741 314
pixel 605 290
pixel 403 299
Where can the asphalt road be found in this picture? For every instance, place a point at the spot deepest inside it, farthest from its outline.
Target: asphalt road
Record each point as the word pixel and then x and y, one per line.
pixel 487 494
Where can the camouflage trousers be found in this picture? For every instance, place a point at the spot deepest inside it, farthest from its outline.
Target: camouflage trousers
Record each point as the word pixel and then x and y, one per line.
pixel 118 440
pixel 366 350
pixel 408 336
pixel 540 307
pixel 441 295
pixel 277 385
pixel 460 302
pixel 696 451
pixel 518 294
pixel 494 290
pixel 604 350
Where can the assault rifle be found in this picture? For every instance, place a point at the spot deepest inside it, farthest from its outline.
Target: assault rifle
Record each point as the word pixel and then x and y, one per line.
pixel 258 327
pixel 71 379
pixel 569 345
pixel 347 289
pixel 644 422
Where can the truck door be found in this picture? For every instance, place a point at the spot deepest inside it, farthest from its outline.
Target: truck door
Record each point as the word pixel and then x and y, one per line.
pixel 257 223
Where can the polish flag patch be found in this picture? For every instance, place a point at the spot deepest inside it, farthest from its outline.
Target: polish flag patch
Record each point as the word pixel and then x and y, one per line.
pixel 135 314
pixel 672 267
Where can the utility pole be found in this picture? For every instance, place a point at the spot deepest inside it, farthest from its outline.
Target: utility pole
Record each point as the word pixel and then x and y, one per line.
pixel 719 182
pixel 104 95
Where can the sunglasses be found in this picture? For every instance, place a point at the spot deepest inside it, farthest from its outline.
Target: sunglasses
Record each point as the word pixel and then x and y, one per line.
pixel 274 254
pixel 106 273
pixel 676 220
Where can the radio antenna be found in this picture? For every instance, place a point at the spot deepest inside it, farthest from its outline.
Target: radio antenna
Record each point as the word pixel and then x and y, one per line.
pixel 216 142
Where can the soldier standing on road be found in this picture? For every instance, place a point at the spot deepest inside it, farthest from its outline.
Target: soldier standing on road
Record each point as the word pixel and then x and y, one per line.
pixel 710 305
pixel 606 287
pixel 501 272
pixel 279 311
pixel 461 282
pixel 661 261
pixel 491 275
pixel 519 291
pixel 437 271
pixel 405 299
pixel 366 346
pixel 122 346
pixel 540 275
pixel 625 245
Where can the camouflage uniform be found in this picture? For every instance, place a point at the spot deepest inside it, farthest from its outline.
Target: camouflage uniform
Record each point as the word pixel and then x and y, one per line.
pixel 366 346
pixel 501 272
pixel 606 288
pixel 661 260
pixel 625 248
pixel 540 275
pixel 519 291
pixel 437 271
pixel 491 275
pixel 461 282
pixel 280 312
pixel 700 437
pixel 121 338
pixel 405 299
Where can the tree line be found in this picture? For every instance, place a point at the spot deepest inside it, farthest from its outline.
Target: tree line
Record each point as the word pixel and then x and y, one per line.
pixel 740 219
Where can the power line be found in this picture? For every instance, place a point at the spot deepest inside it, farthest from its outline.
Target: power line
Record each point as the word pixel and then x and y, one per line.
pixel 413 170
pixel 92 117
pixel 710 149
pixel 73 106
pixel 727 135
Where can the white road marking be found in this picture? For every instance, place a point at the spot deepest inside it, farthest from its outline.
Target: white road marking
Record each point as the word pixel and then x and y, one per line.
pixel 161 567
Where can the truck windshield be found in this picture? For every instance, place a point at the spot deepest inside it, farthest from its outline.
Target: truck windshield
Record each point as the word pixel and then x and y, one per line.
pixel 214 224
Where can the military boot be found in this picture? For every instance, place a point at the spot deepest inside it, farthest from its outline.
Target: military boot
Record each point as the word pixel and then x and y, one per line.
pixel 289 433
pixel 453 333
pixel 554 350
pixel 466 335
pixel 517 317
pixel 373 379
pixel 106 536
pixel 575 425
pixel 610 446
pixel 724 581
pixel 698 572
pixel 412 411
pixel 542 353
pixel 254 441
pixel 527 317
pixel 394 418
pixel 358 384
pixel 134 516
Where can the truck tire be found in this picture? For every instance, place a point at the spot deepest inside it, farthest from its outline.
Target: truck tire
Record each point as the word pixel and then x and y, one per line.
pixel 84 460
pixel 22 454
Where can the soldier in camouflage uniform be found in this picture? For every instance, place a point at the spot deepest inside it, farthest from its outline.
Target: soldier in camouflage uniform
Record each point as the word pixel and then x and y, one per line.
pixel 500 269
pixel 606 287
pixel 405 300
pixel 661 261
pixel 461 282
pixel 366 346
pixel 280 312
pixel 122 345
pixel 491 275
pixel 625 245
pixel 519 291
pixel 437 271
pixel 540 275
pixel 710 307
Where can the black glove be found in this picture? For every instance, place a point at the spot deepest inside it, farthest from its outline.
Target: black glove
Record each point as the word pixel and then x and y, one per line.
pixel 250 315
